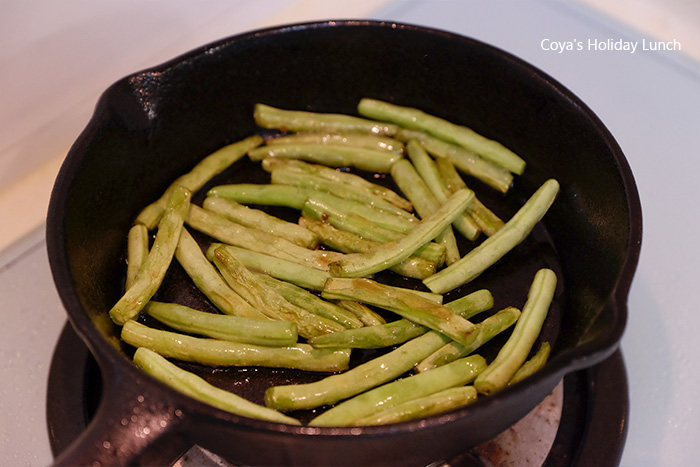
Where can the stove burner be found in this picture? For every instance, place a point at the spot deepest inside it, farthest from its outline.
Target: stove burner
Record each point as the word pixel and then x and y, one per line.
pixel 583 422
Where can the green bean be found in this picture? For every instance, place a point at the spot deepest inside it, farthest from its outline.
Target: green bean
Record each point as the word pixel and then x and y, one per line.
pixel 333 155
pixel 348 222
pixel 200 174
pixel 404 303
pixel 425 204
pixel 295 197
pixel 498 245
pixel 414 187
pixel 208 280
pixel 338 176
pixel 466 161
pixel 516 349
pixel 289 271
pixel 432 404
pixel 248 285
pixel 152 272
pixel 488 222
pixel 266 195
pixel 432 297
pixel 347 242
pixel 216 352
pixel 381 295
pixel 383 218
pixel 364 313
pixel 428 171
pixel 224 327
pixel 533 365
pixel 260 220
pixel 427 296
pixel 457 373
pixel 196 387
pixel 270 117
pixel 364 140
pixel 471 304
pixel 284 176
pixel 235 234
pixel 363 264
pixel 416 119
pixel 356 224
pixel 371 337
pixel 137 251
pixel 401 330
pixel 487 329
pixel 340 240
pixel 372 373
pixel 310 302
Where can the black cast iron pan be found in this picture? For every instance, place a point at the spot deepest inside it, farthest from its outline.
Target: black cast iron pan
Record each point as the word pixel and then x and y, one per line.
pixel 152 126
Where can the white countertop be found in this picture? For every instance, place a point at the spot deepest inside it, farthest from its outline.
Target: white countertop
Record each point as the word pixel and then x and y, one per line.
pixel 57 57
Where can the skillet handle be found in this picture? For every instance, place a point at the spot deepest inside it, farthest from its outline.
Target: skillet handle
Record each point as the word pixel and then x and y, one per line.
pixel 130 418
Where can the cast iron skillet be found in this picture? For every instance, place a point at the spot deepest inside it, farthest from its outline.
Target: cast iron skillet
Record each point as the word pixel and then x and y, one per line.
pixel 152 126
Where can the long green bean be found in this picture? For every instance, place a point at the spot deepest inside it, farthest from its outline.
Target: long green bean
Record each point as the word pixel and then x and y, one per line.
pixel 487 329
pixel 224 327
pixel 284 176
pixel 404 303
pixel 498 245
pixel 263 297
pixel 371 337
pixel 226 231
pixel 356 224
pixel 381 217
pixel 432 404
pixel 137 251
pixel 311 303
pixel 516 349
pixel 347 242
pixel 265 195
pixel 290 271
pixel 428 171
pixel 152 272
pixel 533 365
pixel 196 387
pixel 216 352
pixel 271 117
pixel 333 155
pixel 363 140
pixel 364 313
pixel 471 304
pixel 465 160
pixel 363 264
pixel 488 222
pixel 457 373
pixel 425 204
pixel 416 119
pixel 401 330
pixel 258 219
pixel 208 280
pixel 338 176
pixel 295 197
pixel 370 374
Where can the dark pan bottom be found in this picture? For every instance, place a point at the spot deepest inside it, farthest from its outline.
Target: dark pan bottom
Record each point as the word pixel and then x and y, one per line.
pixel 591 429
